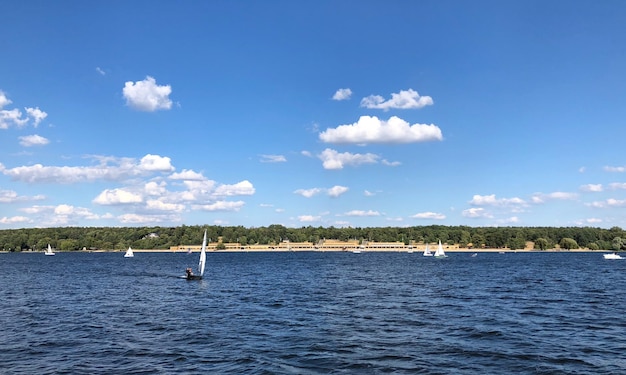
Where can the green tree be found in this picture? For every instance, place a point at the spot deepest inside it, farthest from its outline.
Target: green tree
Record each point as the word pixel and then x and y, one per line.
pixel 542 243
pixel 568 243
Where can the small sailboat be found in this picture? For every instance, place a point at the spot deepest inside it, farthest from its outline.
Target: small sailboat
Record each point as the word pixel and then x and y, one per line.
pixel 439 253
pixel 129 253
pixel 427 252
pixel 201 263
pixel 49 251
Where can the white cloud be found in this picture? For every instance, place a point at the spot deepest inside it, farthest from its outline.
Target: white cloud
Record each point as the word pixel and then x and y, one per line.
pixel 408 99
pixel 188 175
pixel 370 129
pixel 334 191
pixel 147 96
pixel 591 188
pixel 153 188
pixel 15 220
pixel 337 190
pixel 476 212
pixel 368 193
pixel 100 71
pixel 37 114
pixel 342 94
pixel 110 168
pixel 557 195
pixel 593 220
pixel 33 140
pixel 273 159
pixel 491 200
pixel 609 203
pixel 390 163
pixel 221 206
pixel 362 213
pixel 308 193
pixel 241 188
pixel 307 153
pixel 308 218
pixel 159 205
pixel 13 116
pixel 11 196
pixel 155 163
pixel 141 219
pixel 614 169
pixel 4 101
pixel 617 186
pixel 332 159
pixel 117 196
pixel 429 215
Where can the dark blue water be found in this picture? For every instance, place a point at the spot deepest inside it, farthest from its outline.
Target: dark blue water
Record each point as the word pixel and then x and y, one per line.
pixel 312 313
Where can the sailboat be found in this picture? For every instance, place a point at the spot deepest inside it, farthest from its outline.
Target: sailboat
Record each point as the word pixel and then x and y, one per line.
pixel 427 252
pixel 201 262
pixel 440 253
pixel 49 251
pixel 129 253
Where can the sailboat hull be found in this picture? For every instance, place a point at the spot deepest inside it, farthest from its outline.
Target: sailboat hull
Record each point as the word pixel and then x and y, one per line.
pixel 194 277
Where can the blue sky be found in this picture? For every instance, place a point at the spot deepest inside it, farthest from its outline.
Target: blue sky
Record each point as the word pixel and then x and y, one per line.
pixel 322 113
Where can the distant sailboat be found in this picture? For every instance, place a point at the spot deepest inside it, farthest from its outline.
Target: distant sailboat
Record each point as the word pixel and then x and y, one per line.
pixel 427 252
pixel 440 253
pixel 129 253
pixel 49 251
pixel 201 263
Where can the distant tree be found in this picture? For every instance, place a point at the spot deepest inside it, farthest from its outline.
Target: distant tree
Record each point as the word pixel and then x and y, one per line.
pixel 593 246
pixel 568 243
pixel 617 243
pixel 542 243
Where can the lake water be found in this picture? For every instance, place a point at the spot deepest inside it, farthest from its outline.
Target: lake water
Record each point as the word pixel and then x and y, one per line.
pixel 312 313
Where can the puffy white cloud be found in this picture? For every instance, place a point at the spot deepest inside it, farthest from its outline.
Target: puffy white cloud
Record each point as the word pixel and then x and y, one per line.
pixel 153 188
pixel 33 140
pixel 362 213
pixel 110 168
pixel 187 174
pixel 141 219
pixel 12 116
pixel 371 129
pixel 4 101
pixel 156 163
pixel 308 193
pixel 614 169
pixel 405 99
pixel 337 190
pixel 15 220
pixel 273 159
pixel 117 196
pixel 342 94
pixel 332 159
pixel 429 215
pixel 147 96
pixel 37 114
pixel 334 191
pixel 241 188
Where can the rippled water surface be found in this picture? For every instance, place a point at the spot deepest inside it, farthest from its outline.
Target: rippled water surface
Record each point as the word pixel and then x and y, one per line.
pixel 312 313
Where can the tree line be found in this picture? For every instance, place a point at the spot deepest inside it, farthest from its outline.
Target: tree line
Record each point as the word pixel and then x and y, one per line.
pixel 117 238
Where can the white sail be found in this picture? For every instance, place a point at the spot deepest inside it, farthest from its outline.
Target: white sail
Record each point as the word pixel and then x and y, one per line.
pixel 129 253
pixel 49 250
pixel 427 252
pixel 440 253
pixel 202 261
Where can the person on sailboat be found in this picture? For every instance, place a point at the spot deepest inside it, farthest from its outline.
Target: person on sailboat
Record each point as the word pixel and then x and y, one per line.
pixel 189 272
